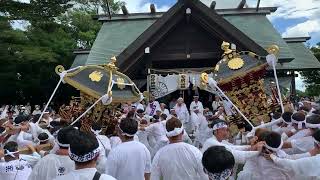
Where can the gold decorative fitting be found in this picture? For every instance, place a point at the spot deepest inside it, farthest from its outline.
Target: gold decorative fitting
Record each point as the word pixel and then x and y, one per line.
pixel 231 57
pixel 96 76
pixel 59 69
pixel 217 68
pixel 112 64
pixel 204 78
pixel 120 83
pixel 235 63
pixel 273 49
pixel 225 46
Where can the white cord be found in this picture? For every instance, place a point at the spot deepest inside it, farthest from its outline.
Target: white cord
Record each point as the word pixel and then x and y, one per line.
pixel 278 87
pixel 62 74
pixel 214 83
pixel 102 97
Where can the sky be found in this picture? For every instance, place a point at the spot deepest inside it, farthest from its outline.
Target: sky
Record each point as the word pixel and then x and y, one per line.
pixel 293 17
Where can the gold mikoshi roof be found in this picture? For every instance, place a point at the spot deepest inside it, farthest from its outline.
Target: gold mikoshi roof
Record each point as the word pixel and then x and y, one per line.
pixel 98 80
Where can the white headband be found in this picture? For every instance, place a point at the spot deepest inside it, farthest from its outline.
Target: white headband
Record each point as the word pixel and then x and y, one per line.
pixel 62 145
pixel 288 123
pixel 219 176
pixel 84 158
pixel 126 134
pixel 313 126
pixel 275 149
pixel 97 132
pixel 50 126
pixel 300 123
pixel 8 153
pixel 316 141
pixel 175 132
pixel 44 140
pixel 220 125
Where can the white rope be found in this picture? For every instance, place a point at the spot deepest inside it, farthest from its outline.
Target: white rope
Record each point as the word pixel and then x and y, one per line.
pixel 54 92
pixel 271 59
pixel 278 87
pixel 62 74
pixel 94 104
pixel 212 82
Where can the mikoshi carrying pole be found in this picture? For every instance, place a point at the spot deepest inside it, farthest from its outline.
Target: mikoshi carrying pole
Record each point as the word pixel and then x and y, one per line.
pixel 272 60
pixel 62 74
pixel 213 83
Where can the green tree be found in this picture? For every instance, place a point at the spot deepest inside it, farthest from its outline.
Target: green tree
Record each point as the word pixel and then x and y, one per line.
pixel 312 78
pixel 106 5
pixel 28 58
pixel 81 26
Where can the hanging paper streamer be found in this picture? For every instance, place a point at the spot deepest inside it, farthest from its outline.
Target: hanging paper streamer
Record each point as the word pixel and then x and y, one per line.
pixel 183 81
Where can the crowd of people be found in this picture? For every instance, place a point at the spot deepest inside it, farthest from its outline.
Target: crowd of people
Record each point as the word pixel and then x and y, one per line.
pixel 154 142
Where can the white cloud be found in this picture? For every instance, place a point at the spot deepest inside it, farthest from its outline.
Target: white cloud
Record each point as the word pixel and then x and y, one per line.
pixel 223 4
pixel 303 29
pixel 136 6
pixel 294 9
pixel 290 9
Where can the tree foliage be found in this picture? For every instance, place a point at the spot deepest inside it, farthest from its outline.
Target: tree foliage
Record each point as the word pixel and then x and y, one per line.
pixel 312 78
pixel 28 57
pixel 105 5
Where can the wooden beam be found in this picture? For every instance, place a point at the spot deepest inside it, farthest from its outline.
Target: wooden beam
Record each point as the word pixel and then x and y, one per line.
pixel 157 15
pixel 124 10
pixel 242 4
pixel 213 5
pixel 258 5
pixel 152 9
pixel 183 56
pixel 157 30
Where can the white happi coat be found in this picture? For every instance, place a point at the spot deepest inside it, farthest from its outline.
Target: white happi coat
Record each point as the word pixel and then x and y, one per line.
pixel 51 166
pixel 143 138
pixel 105 147
pixel 15 170
pixel 260 168
pixel 152 108
pixel 166 112
pixel 182 113
pixel 196 105
pixel 29 137
pixel 301 145
pixel 202 132
pixel 84 174
pixel 300 134
pixel 129 160
pixel 139 106
pixel 158 131
pixel 304 168
pixel 178 161
pixel 239 152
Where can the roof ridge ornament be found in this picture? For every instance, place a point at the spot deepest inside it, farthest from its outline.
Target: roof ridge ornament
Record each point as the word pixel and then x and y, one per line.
pixel 112 64
pixel 233 58
pixel 273 49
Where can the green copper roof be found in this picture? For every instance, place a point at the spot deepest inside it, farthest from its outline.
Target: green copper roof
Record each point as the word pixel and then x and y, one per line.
pixel 304 59
pixel 260 29
pixel 79 60
pixel 114 37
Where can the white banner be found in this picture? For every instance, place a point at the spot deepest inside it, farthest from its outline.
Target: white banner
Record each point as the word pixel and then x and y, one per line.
pixel 161 86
